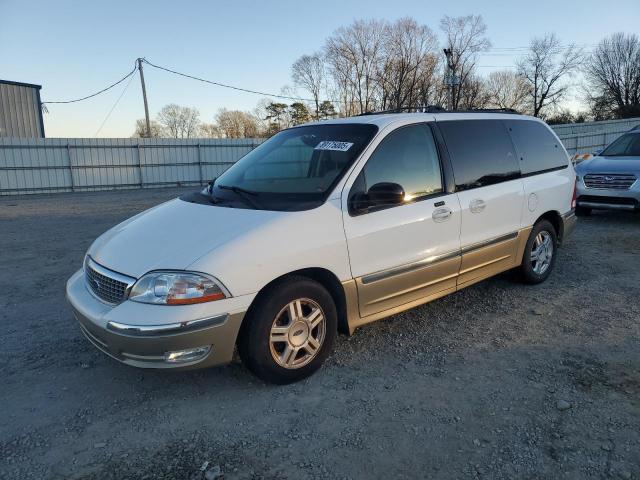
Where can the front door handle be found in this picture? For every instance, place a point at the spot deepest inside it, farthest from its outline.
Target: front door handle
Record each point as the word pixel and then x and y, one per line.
pixel 441 214
pixel 478 205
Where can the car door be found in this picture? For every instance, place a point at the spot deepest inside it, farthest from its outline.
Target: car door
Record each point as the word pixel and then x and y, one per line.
pixel 490 192
pixel 408 252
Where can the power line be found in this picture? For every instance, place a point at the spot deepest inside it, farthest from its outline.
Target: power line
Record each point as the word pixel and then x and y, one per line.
pixel 501 51
pixel 227 86
pixel 114 106
pixel 97 93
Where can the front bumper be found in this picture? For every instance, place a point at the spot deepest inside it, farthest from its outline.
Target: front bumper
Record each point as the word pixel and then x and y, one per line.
pixel 609 199
pixel 144 335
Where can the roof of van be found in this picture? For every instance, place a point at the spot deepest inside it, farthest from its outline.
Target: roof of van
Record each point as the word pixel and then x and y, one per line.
pixel 382 120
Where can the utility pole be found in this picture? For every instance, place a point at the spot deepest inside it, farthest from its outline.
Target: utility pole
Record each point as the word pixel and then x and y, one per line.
pixel 450 79
pixel 144 96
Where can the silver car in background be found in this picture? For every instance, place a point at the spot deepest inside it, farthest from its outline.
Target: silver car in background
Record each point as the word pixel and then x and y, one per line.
pixel 610 180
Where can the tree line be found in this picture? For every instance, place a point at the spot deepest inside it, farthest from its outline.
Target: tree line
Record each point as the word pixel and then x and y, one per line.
pixel 377 65
pixel 175 121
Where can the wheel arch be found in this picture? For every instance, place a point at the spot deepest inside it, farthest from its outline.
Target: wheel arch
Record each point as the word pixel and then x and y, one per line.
pixel 324 277
pixel 554 217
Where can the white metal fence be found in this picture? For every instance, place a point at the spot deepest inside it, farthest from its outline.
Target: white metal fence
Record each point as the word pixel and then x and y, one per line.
pixel 589 137
pixel 78 164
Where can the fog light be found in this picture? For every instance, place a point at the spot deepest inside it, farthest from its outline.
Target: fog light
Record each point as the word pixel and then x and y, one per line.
pixel 188 355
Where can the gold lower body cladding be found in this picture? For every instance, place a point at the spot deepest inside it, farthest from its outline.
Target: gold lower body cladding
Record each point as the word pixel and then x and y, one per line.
pixel 381 294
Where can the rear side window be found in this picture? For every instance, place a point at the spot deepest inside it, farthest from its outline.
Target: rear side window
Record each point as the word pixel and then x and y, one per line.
pixel 481 152
pixel 538 148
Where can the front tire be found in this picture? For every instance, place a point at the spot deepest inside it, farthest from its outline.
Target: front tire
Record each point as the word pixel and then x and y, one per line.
pixel 540 253
pixel 289 331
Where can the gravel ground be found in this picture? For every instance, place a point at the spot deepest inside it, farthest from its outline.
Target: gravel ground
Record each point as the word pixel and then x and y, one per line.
pixel 500 380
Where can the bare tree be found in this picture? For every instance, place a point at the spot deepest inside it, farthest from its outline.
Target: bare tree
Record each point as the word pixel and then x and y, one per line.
pixel 209 130
pixel 251 126
pixel 235 124
pixel 507 89
pixel 613 74
pixel 354 54
pixel 547 67
pixel 465 37
pixel 473 93
pixel 431 90
pixel 341 89
pixel 408 61
pixel 260 114
pixel 141 129
pixel 563 116
pixel 179 122
pixel 308 72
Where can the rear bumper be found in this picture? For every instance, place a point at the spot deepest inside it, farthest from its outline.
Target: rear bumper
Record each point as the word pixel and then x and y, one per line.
pixel 148 342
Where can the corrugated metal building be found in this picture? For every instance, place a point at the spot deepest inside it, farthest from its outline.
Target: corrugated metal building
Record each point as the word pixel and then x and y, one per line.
pixel 20 110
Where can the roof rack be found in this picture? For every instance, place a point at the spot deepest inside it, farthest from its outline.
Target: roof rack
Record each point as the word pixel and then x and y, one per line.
pixel 438 109
pixel 417 109
pixel 488 110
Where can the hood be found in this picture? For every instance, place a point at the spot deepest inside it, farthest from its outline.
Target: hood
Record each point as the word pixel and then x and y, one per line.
pixel 609 165
pixel 173 235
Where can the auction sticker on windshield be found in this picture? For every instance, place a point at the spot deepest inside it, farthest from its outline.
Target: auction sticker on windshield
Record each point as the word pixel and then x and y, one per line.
pixel 332 145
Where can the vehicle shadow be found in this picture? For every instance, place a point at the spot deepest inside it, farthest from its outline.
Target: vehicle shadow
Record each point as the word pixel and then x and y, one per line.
pixel 616 217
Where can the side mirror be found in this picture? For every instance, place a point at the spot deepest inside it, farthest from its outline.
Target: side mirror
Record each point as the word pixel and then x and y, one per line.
pixel 598 152
pixel 383 194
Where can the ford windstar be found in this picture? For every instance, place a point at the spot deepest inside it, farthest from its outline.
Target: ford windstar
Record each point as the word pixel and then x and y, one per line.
pixel 323 228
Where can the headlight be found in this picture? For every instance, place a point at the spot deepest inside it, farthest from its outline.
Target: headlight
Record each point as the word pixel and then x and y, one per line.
pixel 177 288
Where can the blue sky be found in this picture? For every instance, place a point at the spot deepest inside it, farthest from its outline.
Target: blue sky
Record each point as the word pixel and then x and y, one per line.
pixel 75 48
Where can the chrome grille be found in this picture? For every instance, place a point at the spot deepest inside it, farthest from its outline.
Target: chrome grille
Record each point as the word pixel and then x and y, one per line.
pixel 107 285
pixel 613 181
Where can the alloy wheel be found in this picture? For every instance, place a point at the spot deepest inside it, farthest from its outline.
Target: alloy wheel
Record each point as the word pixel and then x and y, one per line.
pixel 542 252
pixel 297 333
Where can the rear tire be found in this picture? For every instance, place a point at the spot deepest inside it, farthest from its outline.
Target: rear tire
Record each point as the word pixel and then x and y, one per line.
pixel 540 253
pixel 288 331
pixel 583 211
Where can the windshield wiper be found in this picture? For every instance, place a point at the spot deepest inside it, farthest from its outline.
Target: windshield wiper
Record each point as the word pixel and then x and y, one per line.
pixel 243 194
pixel 236 189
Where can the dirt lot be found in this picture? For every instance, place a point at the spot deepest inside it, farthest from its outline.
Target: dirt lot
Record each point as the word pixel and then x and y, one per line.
pixel 500 380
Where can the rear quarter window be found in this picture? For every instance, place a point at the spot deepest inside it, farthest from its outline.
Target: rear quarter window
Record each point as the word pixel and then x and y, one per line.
pixel 538 148
pixel 481 152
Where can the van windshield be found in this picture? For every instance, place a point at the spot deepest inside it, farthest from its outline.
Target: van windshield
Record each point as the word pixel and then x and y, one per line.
pixel 296 168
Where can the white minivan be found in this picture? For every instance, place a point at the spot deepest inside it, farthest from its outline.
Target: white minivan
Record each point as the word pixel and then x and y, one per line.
pixel 323 228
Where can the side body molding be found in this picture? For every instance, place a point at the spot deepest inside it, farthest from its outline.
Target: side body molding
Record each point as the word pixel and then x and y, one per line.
pixel 381 294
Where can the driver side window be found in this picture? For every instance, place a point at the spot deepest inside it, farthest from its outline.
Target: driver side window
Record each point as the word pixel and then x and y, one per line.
pixel 408 157
pixel 291 160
